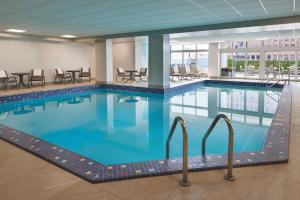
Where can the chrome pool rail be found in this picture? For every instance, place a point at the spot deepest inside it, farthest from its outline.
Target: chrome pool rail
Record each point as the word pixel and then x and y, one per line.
pixel 277 80
pixel 184 182
pixel 229 176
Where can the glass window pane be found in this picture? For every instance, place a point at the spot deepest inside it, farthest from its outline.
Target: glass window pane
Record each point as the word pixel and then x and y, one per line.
pixel 202 98
pixel 252 101
pixel 189 100
pixel 176 47
pixel 238 100
pixel 202 112
pixel 225 100
pixel 176 109
pixel 202 60
pixel 202 46
pixel 270 102
pixel 189 58
pixel 176 58
pixel 189 47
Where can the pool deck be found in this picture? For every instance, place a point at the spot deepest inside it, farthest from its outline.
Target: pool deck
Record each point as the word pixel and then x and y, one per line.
pixel 24 176
pixel 51 86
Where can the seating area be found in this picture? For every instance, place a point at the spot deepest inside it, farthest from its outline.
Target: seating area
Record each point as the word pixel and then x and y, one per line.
pixel 178 72
pixel 185 72
pixel 131 75
pixel 36 77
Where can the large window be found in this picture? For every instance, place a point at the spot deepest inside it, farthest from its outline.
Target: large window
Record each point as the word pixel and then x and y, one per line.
pixel 176 58
pixel 202 59
pixel 189 57
pixel 190 54
pixel 243 59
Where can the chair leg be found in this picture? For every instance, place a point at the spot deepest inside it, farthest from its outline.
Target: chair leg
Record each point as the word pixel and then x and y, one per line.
pixel 5 86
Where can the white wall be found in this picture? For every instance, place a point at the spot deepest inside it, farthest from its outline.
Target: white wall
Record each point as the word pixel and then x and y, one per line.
pixel 213 60
pixel 103 61
pixel 22 55
pixel 123 54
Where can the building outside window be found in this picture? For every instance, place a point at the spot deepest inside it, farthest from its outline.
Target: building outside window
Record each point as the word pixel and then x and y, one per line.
pixel 190 54
pixel 278 57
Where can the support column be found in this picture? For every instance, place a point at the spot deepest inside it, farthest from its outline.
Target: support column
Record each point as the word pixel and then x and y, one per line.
pixel 141 52
pixel 104 113
pixel 261 103
pixel 213 60
pixel 262 64
pixel 246 65
pixel 212 103
pixel 159 61
pixel 104 61
pixel 159 125
pixel 296 69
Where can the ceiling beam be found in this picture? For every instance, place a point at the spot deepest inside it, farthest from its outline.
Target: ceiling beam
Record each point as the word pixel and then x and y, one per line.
pixel 240 24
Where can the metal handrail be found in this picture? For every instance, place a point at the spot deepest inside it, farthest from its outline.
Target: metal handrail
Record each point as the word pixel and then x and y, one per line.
pixel 277 80
pixel 184 182
pixel 229 176
pixel 271 79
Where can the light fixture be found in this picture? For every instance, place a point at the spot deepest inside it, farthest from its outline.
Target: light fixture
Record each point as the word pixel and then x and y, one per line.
pixel 263 38
pixel 15 30
pixel 68 36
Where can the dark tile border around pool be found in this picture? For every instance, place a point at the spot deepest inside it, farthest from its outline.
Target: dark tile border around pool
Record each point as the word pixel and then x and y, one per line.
pixel 166 92
pixel 275 151
pixel 46 94
pixel 185 87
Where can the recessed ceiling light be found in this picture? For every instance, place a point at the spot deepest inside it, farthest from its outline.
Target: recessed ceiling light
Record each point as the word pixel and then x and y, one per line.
pixel 15 30
pixel 68 36
pixel 264 38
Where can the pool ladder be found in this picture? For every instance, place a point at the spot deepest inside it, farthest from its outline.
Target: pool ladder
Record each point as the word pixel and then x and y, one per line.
pixel 229 176
pixel 185 182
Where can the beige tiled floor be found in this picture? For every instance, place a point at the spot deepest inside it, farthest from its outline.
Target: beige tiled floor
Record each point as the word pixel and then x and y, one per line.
pixel 173 83
pixel 176 82
pixel 24 176
pixel 53 86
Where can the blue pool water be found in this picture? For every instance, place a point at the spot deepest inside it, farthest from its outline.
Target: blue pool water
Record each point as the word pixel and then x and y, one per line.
pixel 114 127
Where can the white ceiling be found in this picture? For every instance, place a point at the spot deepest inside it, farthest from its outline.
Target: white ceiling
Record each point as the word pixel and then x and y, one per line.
pixel 85 18
pixel 279 31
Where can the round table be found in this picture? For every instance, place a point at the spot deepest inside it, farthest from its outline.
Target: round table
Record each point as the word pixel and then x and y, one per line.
pixel 21 78
pixel 73 79
pixel 131 75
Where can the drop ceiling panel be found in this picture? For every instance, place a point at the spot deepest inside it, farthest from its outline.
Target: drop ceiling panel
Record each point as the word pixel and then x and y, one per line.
pixel 101 17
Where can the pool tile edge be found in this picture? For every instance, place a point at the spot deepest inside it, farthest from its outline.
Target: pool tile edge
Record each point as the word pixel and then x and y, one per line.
pixel 275 151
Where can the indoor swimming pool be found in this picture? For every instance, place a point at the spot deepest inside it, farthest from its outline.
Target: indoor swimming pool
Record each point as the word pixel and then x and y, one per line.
pixel 116 127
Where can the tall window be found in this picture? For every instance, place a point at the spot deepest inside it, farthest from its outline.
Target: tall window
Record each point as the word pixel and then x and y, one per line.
pixel 176 58
pixel 242 59
pixel 190 54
